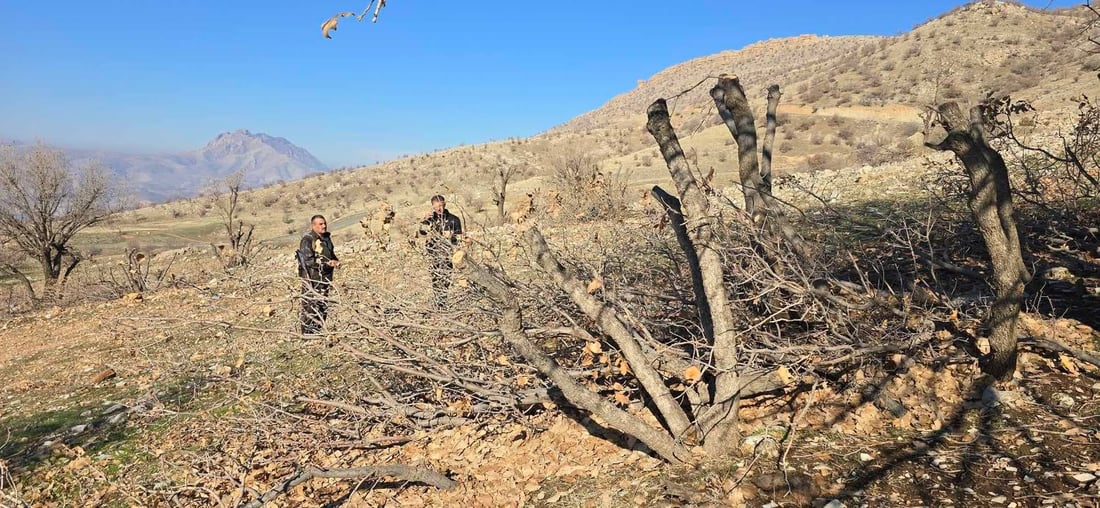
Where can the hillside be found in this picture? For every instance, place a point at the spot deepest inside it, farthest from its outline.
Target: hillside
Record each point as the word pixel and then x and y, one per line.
pixel 198 390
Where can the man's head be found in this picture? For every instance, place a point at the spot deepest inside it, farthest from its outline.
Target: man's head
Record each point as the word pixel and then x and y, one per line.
pixel 318 224
pixel 438 203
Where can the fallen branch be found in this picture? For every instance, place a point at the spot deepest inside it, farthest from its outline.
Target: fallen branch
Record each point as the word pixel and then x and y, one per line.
pixel 399 471
pixel 1054 346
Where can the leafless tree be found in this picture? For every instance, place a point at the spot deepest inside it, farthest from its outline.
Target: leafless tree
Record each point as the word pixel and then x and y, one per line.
pixel 237 249
pixel 990 202
pixel 504 174
pixel 45 201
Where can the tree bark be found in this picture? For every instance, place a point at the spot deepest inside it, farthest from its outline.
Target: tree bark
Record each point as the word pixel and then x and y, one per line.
pixel 510 324
pixel 769 139
pixel 733 107
pixel 676 219
pixel 618 330
pixel 720 424
pixel 990 202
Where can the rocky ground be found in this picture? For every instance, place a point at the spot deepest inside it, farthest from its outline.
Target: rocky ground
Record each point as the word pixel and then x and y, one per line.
pixel 198 394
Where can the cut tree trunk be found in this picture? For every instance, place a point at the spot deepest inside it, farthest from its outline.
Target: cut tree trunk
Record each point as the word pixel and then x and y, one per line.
pixel 769 139
pixel 510 323
pixel 676 219
pixel 609 321
pixel 990 202
pixel 719 424
pixel 733 106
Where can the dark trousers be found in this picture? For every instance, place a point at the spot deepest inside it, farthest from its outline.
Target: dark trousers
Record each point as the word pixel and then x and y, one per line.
pixel 441 268
pixel 314 305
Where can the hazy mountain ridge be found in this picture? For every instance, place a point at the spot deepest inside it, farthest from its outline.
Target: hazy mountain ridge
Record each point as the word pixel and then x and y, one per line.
pixel 159 177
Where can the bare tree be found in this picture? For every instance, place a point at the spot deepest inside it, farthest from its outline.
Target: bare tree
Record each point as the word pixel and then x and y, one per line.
pixel 45 202
pixel 990 202
pixel 237 250
pixel 504 174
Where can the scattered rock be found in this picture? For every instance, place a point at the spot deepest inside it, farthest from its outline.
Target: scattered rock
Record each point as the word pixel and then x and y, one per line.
pixel 998 500
pixel 77 429
pixel 992 396
pixel 1059 273
pixel 764 445
pixel 1083 478
pixel 1062 400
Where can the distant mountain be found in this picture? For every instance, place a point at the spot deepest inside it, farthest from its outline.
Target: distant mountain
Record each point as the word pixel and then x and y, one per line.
pixel 160 177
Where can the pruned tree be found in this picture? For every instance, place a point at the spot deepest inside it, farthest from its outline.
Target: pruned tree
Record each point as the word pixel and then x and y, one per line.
pixel 990 203
pixel 45 201
pixel 237 249
pixel 755 180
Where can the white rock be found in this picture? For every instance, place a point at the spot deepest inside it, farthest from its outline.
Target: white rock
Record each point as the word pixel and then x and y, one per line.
pixel 1083 478
pixel 998 500
pixel 865 457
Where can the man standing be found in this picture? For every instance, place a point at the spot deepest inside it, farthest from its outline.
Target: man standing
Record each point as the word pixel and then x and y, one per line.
pixel 316 264
pixel 443 229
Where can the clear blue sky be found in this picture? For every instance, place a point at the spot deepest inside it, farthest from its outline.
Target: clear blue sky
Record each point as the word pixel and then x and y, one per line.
pixel 151 75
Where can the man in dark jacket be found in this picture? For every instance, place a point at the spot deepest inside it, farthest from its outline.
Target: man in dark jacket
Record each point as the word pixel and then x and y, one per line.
pixel 316 263
pixel 443 229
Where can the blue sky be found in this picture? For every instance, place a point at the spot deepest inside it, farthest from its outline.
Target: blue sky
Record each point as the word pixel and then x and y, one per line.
pixel 152 76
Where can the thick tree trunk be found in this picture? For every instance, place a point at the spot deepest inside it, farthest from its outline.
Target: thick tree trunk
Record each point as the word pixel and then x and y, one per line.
pixel 511 328
pixel 720 424
pixel 990 202
pixel 733 107
pixel 618 330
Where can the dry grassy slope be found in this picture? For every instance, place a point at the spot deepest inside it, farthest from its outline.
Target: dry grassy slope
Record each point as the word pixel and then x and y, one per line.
pixel 982 46
pixel 849 103
pixel 758 63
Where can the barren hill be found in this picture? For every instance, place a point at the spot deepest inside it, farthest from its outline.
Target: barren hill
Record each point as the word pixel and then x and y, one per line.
pixel 984 46
pixel 156 177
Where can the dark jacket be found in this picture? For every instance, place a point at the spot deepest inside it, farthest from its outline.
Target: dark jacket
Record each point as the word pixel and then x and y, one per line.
pixel 314 251
pixel 439 224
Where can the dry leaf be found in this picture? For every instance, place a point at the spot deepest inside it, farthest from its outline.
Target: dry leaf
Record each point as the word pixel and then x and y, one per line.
pixel 784 374
pixel 503 360
pixel 621 398
pixel 693 374
pixel 595 285
pixel 624 366
pixel 458 257
pixel 594 348
pixel 1067 364
pixel 239 363
pixel 104 375
pixel 522 381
